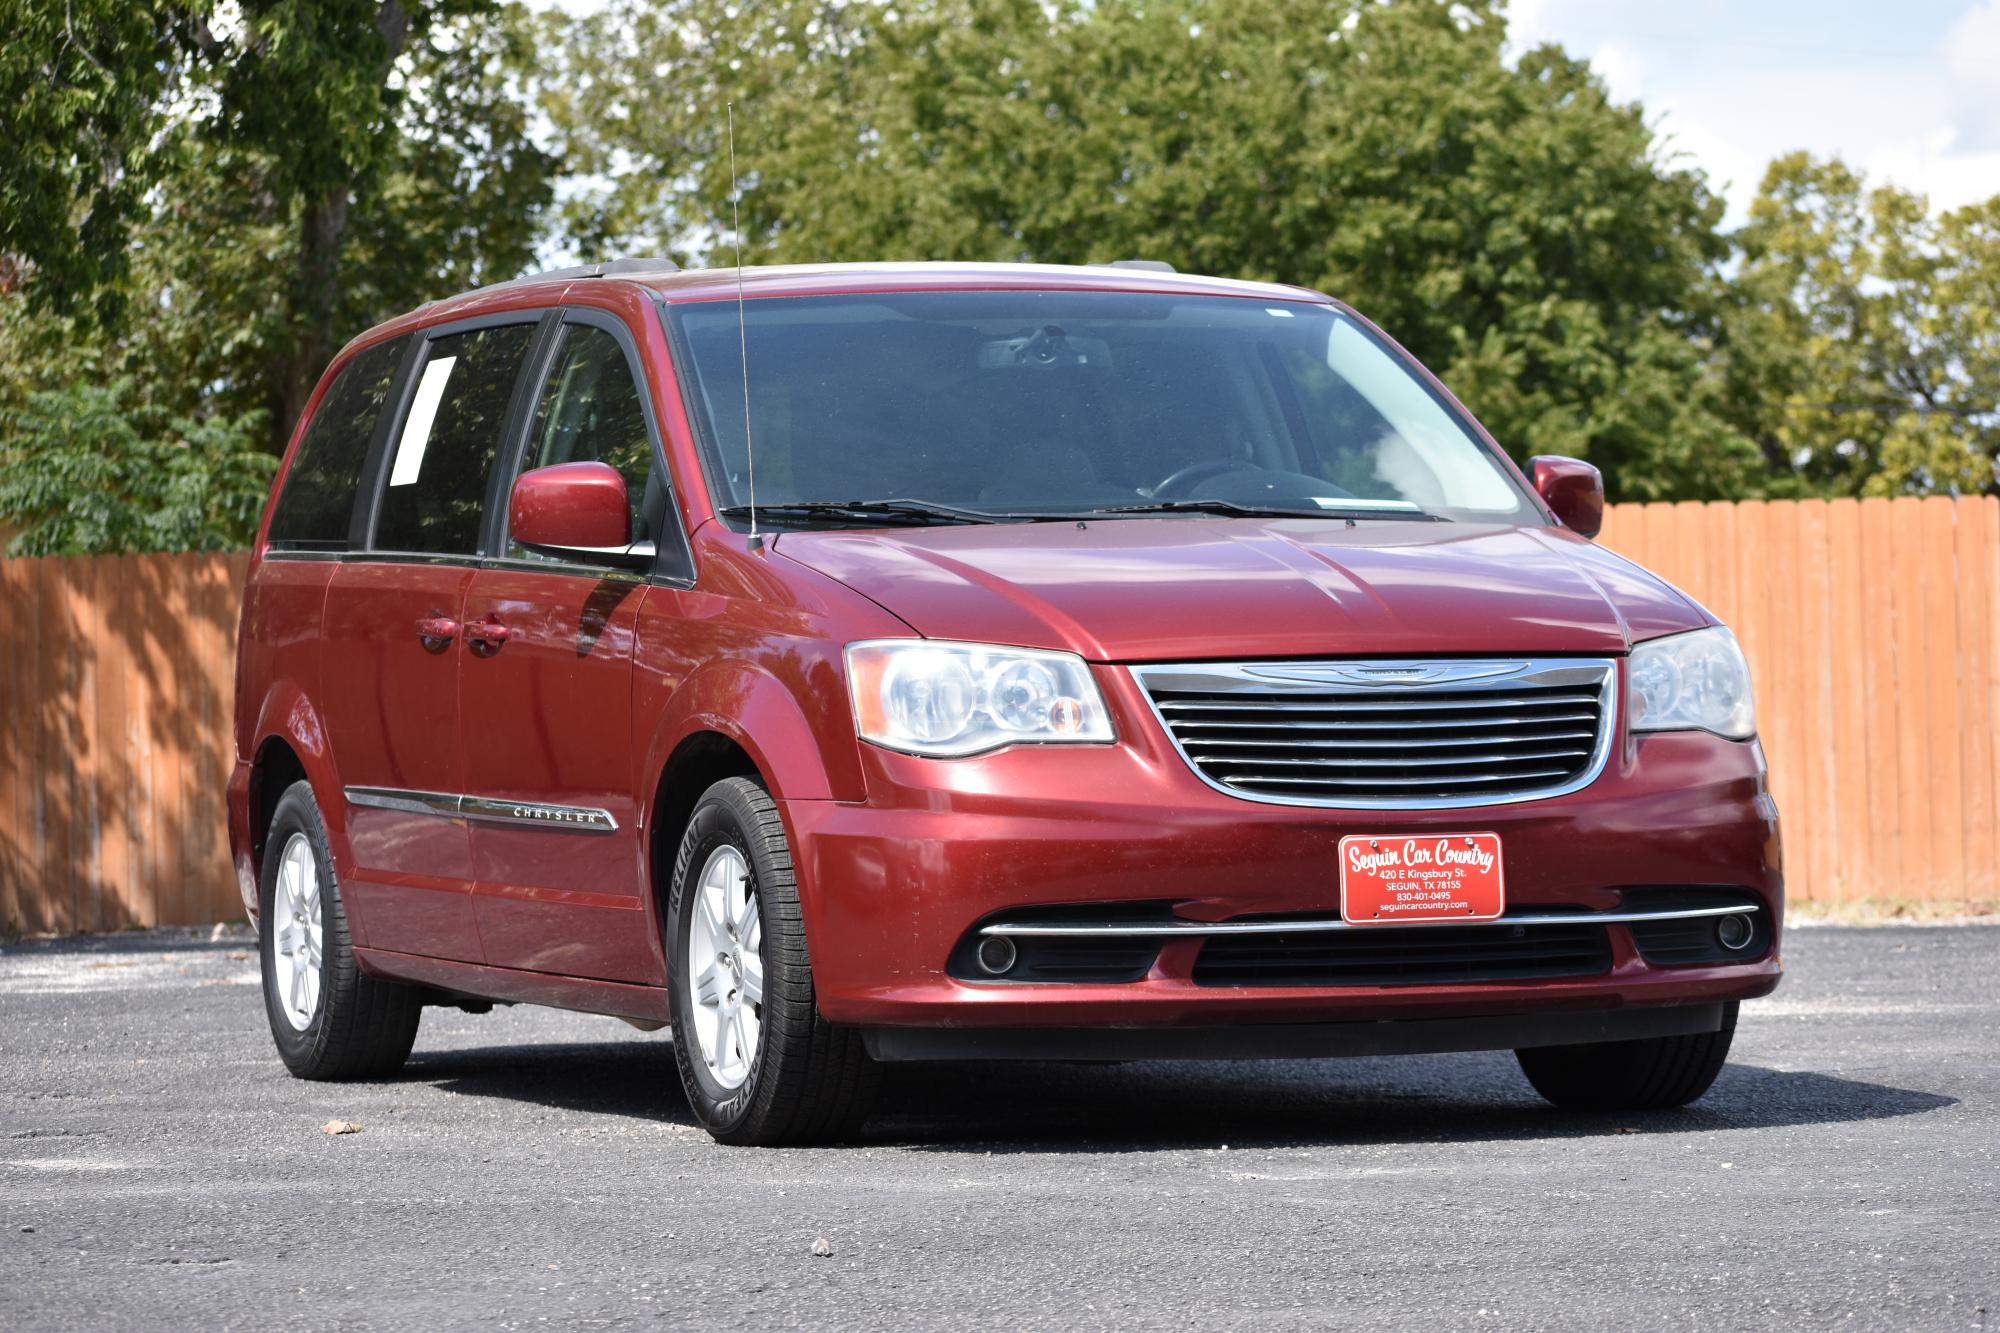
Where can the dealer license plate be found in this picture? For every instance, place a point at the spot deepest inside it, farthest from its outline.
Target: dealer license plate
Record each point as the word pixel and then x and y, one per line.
pixel 1403 880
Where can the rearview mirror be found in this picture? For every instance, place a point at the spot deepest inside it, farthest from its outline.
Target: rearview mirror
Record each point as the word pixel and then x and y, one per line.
pixel 1573 488
pixel 576 511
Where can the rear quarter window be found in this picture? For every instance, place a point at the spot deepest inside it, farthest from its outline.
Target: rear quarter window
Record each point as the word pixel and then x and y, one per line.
pixel 317 501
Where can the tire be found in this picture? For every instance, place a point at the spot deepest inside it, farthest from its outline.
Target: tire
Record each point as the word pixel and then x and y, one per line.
pixel 1653 1074
pixel 347 1025
pixel 804 1080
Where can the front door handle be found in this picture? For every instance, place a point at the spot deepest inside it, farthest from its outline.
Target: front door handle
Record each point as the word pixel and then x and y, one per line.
pixel 437 631
pixel 486 636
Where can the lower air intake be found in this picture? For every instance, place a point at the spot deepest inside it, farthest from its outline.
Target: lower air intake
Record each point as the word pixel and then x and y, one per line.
pixel 1413 956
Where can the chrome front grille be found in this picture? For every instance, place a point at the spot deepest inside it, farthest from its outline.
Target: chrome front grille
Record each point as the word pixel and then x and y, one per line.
pixel 1423 734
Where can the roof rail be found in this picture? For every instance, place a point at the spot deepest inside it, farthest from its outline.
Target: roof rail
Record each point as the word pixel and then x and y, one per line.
pixel 610 268
pixel 1150 265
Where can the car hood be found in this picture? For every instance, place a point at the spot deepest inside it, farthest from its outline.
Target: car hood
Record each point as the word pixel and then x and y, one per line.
pixel 1136 590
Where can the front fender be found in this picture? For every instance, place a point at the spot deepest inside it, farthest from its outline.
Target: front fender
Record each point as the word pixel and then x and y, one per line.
pixel 756 710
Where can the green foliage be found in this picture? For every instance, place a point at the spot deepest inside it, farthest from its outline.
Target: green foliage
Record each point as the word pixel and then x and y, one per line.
pixel 79 81
pixel 1867 344
pixel 85 470
pixel 1522 234
pixel 280 182
pixel 199 216
pixel 199 206
pixel 462 198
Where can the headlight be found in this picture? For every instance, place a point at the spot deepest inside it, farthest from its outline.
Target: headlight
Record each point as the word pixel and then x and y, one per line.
pixel 948 699
pixel 1693 681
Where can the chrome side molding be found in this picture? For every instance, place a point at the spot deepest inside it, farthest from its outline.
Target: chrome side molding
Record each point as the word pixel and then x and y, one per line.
pixel 409 802
pixel 1179 929
pixel 451 805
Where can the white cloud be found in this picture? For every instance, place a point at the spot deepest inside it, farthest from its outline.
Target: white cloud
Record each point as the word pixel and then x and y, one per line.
pixel 1620 68
pixel 1972 53
pixel 1909 93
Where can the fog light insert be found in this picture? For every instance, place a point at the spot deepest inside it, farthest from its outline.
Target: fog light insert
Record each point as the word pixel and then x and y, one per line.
pixel 1734 933
pixel 996 955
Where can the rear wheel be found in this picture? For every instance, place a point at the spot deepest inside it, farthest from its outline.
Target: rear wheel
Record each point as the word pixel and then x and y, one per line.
pixel 328 1020
pixel 1653 1074
pixel 759 1064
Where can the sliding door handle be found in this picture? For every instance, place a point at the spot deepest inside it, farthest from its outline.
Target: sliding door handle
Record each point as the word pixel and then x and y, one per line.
pixel 437 631
pixel 486 636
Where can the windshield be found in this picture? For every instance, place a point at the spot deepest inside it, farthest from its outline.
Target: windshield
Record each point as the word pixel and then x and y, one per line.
pixel 1044 402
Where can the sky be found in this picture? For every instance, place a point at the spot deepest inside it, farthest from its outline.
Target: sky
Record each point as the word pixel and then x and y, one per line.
pixel 1904 90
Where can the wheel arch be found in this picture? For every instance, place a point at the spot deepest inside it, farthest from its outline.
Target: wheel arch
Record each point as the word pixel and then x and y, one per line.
pixel 699 761
pixel 276 767
pixel 291 745
pixel 733 718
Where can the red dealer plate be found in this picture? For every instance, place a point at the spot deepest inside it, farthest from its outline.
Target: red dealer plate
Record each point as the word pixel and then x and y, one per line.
pixel 1437 877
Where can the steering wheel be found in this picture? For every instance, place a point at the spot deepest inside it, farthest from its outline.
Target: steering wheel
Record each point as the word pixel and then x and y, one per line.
pixel 1182 477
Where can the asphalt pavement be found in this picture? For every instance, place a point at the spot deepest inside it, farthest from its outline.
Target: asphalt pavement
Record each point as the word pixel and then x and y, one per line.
pixel 535 1169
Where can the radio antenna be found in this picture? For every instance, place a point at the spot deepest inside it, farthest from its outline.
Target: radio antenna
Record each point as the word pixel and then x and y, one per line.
pixel 742 326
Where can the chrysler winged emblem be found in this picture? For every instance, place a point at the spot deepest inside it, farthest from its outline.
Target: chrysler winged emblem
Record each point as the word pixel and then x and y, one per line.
pixel 1388 673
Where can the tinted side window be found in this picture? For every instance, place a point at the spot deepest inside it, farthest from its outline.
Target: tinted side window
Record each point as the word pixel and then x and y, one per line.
pixel 438 469
pixel 590 412
pixel 318 498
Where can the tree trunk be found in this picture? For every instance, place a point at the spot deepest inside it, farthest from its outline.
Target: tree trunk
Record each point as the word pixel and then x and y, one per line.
pixel 322 229
pixel 316 281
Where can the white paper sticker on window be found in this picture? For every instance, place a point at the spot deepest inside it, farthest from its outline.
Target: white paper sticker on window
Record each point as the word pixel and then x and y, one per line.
pixel 1364 502
pixel 417 429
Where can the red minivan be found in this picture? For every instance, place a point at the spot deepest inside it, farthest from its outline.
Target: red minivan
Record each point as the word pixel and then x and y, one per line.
pixel 861 663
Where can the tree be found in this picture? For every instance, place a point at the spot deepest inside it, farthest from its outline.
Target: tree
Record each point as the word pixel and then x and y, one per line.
pixel 133 371
pixel 83 469
pixel 1866 350
pixel 1521 233
pixel 77 126
pixel 260 160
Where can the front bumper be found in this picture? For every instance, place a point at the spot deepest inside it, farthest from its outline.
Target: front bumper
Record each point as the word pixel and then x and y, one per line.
pixel 891 886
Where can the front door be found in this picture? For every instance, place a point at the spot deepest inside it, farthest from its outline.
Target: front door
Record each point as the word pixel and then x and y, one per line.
pixel 547 702
pixel 393 651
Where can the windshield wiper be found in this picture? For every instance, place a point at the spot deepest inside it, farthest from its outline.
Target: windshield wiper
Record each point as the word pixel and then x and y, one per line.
pixel 1235 510
pixel 918 513
pixel 912 512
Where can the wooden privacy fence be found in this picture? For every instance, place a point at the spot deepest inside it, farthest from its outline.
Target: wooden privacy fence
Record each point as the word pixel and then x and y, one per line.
pixel 1870 626
pixel 116 675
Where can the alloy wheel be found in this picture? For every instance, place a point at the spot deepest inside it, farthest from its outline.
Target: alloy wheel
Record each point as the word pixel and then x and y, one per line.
pixel 296 932
pixel 725 972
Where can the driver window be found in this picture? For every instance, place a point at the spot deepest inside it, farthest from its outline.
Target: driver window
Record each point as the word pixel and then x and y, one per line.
pixel 590 412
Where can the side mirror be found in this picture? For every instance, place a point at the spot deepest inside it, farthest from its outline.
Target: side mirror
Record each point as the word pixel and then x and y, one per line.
pixel 1573 488
pixel 577 511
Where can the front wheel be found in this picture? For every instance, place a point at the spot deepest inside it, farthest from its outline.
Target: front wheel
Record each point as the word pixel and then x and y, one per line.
pixel 759 1064
pixel 1652 1074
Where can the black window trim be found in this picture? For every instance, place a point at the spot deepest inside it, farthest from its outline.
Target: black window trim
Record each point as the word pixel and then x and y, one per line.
pixel 674 565
pixel 673 562
pixel 367 496
pixel 514 433
pixel 375 473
